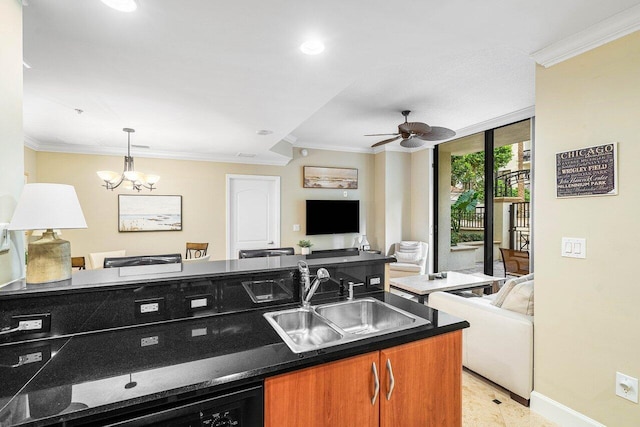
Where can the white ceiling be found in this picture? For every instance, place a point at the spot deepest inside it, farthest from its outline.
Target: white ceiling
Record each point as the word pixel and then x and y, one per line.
pixel 198 78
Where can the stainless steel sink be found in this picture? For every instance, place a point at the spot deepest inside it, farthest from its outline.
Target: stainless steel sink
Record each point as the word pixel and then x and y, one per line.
pixel 338 323
pixel 365 316
pixel 302 329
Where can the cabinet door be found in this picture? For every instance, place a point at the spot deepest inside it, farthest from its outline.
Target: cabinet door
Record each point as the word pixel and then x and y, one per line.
pixel 427 383
pixel 333 394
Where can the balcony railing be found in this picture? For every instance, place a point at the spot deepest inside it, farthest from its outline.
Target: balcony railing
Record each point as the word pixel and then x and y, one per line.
pixel 506 183
pixel 472 219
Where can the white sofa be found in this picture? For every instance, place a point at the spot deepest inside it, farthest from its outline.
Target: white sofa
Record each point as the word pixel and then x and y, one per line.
pixel 499 343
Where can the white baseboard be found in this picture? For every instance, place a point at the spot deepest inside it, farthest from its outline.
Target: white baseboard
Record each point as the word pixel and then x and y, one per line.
pixel 558 413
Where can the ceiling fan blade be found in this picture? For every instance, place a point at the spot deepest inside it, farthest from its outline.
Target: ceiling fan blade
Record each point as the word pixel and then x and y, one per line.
pixel 386 141
pixel 437 134
pixel 415 127
pixel 383 134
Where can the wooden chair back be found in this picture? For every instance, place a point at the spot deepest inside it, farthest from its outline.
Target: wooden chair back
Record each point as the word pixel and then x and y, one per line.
pixel 78 262
pixel 196 250
pixel 516 263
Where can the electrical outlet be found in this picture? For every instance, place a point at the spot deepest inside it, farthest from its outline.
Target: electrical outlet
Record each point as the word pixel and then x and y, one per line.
pixel 149 307
pixel 199 302
pixel 32 323
pixel 627 387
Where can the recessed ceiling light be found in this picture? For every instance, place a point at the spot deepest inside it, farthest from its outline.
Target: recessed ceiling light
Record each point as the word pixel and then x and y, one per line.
pixel 312 47
pixel 121 5
pixel 264 132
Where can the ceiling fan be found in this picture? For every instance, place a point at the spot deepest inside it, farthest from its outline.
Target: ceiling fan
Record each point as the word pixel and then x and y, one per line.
pixel 414 134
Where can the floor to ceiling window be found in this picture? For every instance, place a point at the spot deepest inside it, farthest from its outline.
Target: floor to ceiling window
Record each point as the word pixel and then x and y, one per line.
pixel 483 200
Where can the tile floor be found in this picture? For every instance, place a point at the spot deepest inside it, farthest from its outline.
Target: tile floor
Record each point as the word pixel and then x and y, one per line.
pixel 479 410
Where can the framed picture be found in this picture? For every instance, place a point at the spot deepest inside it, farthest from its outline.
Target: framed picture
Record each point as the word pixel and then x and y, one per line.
pixel 149 213
pixel 336 178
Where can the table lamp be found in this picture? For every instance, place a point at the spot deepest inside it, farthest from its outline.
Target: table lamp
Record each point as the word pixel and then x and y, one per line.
pixel 48 206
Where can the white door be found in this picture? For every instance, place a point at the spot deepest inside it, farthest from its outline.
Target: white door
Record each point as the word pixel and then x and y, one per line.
pixel 253 213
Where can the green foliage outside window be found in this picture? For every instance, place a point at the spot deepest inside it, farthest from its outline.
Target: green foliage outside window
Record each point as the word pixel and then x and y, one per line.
pixel 468 170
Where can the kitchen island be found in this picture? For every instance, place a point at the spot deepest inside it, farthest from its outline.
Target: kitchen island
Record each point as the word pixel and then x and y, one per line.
pixel 102 364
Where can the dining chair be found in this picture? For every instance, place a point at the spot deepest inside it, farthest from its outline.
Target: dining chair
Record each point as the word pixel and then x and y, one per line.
pixel 196 250
pixel 78 262
pixel 96 259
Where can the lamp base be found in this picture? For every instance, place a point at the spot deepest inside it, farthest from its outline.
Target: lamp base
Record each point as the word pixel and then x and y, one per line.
pixel 49 259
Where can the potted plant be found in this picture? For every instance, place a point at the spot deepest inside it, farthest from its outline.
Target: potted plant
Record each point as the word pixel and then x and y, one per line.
pixel 305 246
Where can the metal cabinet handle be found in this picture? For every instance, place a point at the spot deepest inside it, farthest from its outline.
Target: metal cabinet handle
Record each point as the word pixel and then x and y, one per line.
pixel 392 380
pixel 376 382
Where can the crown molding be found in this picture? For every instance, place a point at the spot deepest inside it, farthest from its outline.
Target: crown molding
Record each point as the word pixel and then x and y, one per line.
pixel 619 25
pixel 342 148
pixel 153 154
pixel 506 119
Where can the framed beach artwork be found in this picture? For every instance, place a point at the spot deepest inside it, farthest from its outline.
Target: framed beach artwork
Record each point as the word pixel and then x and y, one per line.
pixel 149 213
pixel 336 178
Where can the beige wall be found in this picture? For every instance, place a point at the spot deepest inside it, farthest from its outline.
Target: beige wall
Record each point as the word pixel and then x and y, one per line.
pixel 587 318
pixel 11 139
pixel 380 203
pixel 203 188
pixel 397 197
pixel 30 165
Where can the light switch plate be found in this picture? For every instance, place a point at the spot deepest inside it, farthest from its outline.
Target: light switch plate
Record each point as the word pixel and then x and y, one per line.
pixel 5 238
pixel 574 247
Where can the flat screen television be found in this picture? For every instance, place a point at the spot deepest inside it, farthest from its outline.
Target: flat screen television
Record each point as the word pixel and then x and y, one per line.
pixel 333 216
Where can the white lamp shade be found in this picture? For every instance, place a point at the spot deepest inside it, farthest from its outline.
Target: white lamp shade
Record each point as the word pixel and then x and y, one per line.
pixel 108 176
pixel 152 179
pixel 44 206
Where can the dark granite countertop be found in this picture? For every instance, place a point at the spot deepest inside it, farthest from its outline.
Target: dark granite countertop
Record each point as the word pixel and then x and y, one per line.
pixel 112 277
pixel 54 380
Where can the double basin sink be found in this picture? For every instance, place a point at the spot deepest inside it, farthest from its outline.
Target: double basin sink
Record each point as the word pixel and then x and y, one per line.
pixel 327 325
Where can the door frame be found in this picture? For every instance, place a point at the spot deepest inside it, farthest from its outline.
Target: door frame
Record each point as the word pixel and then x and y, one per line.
pixel 271 178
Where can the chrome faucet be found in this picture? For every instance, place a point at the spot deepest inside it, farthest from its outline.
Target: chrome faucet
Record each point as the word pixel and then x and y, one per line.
pixel 307 288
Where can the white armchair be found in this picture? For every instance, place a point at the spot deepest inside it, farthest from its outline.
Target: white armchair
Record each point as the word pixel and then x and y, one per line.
pixel 411 259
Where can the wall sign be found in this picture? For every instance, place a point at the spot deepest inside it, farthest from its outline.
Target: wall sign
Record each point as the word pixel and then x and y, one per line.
pixel 590 171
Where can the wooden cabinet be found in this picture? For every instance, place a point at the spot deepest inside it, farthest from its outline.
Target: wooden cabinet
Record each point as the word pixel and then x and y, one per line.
pixel 334 394
pixel 427 383
pixel 420 384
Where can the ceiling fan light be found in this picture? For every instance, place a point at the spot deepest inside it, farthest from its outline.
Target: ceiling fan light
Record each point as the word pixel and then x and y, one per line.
pixel 411 142
pixel 121 5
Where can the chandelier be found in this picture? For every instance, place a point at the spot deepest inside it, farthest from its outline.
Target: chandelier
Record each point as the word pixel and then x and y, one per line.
pixel 132 179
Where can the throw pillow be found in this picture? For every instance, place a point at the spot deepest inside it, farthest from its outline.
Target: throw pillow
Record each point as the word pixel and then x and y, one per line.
pixel 409 247
pixel 520 299
pixel 410 257
pixel 507 287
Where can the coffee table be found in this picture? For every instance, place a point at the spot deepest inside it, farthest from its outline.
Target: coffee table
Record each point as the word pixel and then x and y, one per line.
pixel 421 286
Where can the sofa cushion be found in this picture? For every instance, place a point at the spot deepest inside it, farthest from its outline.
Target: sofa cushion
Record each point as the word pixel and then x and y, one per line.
pixel 520 299
pixel 403 266
pixel 507 287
